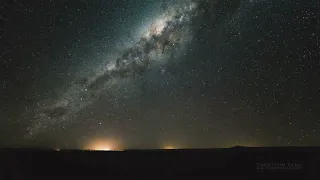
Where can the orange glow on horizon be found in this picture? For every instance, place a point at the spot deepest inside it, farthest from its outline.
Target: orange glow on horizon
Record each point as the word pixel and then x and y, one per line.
pixel 169 147
pixel 103 145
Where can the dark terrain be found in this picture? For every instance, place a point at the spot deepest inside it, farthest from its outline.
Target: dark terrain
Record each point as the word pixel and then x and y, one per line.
pixel 239 162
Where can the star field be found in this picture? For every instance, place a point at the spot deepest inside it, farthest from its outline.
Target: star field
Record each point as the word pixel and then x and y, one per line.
pixel 145 74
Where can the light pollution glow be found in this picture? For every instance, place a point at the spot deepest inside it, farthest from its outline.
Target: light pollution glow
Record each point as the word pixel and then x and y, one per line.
pixel 103 145
pixel 113 145
pixel 169 147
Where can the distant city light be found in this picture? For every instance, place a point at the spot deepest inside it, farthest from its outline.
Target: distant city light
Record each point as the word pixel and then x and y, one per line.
pixel 103 145
pixel 169 147
pixel 102 148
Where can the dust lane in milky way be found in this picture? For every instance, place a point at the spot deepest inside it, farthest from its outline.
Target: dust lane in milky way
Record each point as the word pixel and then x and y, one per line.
pixel 170 73
pixel 167 36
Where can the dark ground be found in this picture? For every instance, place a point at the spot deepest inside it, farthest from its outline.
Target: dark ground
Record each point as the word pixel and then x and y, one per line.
pixel 239 162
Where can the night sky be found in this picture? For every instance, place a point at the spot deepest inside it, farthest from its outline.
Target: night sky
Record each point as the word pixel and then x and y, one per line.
pixel 154 74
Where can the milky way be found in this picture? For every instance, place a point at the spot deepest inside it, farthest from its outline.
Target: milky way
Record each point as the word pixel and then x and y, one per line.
pixel 166 37
pixel 150 74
